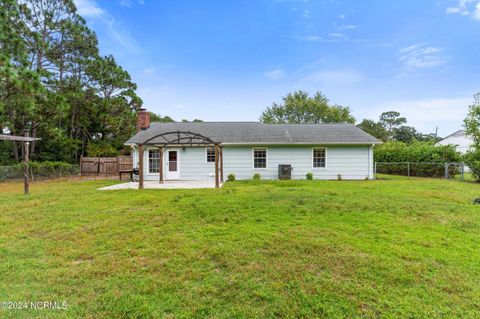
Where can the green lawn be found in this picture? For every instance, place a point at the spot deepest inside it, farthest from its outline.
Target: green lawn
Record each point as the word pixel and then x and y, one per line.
pixel 389 248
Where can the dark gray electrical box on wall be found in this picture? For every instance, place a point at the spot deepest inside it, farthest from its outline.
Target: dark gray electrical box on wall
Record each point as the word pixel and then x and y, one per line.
pixel 284 171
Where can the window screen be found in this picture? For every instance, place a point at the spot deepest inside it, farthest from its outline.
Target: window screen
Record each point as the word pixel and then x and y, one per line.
pixel 259 158
pixel 319 159
pixel 153 161
pixel 210 155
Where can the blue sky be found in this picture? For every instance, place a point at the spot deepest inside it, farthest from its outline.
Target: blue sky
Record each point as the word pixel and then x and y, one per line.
pixel 228 60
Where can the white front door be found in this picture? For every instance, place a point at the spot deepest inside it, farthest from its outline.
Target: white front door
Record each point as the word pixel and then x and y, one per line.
pixel 173 165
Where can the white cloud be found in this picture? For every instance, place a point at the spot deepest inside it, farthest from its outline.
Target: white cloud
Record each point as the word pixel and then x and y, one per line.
pixel 318 72
pixel 420 56
pixel 130 3
pixel 330 76
pixel 126 3
pixel 275 74
pixel 90 9
pixel 336 76
pixel 337 35
pixel 309 37
pixel 122 36
pixel 466 8
pixel 330 38
pixel 347 27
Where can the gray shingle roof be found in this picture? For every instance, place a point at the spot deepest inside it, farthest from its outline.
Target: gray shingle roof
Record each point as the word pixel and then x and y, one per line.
pixel 259 133
pixel 458 133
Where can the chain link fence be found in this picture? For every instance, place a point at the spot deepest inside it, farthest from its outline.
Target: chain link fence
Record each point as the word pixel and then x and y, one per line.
pixel 46 170
pixel 423 169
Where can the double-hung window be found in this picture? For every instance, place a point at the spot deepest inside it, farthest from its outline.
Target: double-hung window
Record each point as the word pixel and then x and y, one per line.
pixel 153 161
pixel 259 158
pixel 319 158
pixel 210 155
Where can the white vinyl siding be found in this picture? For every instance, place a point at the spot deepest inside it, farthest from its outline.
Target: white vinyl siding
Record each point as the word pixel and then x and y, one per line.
pixel 351 162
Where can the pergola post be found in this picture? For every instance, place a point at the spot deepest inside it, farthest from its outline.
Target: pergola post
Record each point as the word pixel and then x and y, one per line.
pixel 140 166
pixel 26 182
pixel 160 169
pixel 25 144
pixel 221 164
pixel 217 182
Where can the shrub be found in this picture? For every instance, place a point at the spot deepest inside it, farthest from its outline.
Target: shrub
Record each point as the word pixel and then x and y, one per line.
pixel 309 176
pixel 101 149
pixel 231 177
pixel 257 176
pixel 416 153
pixel 472 159
pixel 339 177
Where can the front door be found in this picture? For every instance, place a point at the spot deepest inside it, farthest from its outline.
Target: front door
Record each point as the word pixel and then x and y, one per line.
pixel 173 167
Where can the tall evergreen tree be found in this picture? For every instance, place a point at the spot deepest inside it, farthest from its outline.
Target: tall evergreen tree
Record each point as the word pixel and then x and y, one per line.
pixel 54 83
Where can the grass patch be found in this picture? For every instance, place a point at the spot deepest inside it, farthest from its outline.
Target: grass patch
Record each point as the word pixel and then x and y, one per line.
pixel 387 248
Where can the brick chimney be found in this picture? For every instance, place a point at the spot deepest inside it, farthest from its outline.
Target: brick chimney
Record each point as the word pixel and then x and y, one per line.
pixel 143 120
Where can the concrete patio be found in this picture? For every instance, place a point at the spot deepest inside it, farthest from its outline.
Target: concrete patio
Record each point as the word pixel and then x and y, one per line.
pixel 165 185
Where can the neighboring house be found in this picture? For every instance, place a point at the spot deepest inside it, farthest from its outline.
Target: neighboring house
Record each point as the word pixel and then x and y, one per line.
pixel 459 139
pixel 186 151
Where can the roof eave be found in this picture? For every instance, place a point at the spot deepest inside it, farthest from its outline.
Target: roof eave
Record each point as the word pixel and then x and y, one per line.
pixel 303 143
pixel 285 143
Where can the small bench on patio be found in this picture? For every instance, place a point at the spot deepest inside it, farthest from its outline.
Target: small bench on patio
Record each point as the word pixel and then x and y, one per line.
pixel 126 172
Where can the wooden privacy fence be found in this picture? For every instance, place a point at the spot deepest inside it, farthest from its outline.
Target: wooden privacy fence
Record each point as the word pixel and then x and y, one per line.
pixel 106 166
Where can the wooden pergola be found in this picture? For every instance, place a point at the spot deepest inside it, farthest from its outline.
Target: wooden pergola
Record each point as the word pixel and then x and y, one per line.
pixel 25 140
pixel 180 139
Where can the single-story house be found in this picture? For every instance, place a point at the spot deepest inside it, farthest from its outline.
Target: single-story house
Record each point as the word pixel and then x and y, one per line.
pixel 213 150
pixel 459 139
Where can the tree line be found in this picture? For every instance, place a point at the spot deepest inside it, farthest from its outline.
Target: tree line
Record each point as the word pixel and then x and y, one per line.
pixel 299 107
pixel 54 84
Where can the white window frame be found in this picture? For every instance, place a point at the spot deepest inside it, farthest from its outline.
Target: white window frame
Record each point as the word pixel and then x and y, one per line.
pixel 326 157
pixel 148 160
pixel 206 155
pixel 266 158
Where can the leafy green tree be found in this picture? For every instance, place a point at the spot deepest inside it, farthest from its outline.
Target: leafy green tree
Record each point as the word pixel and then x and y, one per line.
pixel 48 38
pixel 373 128
pixel 18 83
pixel 115 102
pixel 158 118
pixel 391 121
pixel 390 127
pixel 299 107
pixel 472 160
pixel 431 137
pixel 472 128
pixel 406 134
pixel 54 84
pixel 472 121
